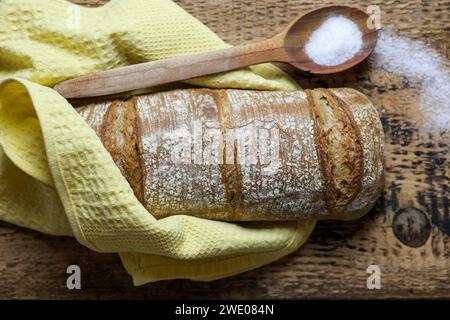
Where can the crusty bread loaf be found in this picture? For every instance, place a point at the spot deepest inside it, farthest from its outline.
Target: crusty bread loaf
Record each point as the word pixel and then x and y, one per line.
pixel 242 155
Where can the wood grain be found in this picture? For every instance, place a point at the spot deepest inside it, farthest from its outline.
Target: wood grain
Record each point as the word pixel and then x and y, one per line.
pixel 142 75
pixel 333 263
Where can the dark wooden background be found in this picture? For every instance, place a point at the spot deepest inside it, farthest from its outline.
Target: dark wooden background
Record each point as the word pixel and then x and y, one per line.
pixel 333 263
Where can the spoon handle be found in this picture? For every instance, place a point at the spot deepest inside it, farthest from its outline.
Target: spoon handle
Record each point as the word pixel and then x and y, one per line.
pixel 160 72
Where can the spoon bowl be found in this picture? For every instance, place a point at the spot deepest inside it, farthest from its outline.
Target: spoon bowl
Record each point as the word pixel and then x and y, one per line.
pixel 287 46
pixel 297 34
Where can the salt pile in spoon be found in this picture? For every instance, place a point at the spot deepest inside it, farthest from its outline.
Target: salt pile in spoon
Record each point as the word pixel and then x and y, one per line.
pixel 336 41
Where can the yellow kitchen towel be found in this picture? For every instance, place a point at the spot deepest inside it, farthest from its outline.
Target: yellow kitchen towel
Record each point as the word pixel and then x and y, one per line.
pixel 55 175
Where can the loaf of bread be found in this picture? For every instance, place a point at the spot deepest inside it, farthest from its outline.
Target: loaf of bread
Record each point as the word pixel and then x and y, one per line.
pixel 241 155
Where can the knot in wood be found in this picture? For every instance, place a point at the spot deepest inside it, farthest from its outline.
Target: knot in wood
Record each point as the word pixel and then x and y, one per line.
pixel 411 226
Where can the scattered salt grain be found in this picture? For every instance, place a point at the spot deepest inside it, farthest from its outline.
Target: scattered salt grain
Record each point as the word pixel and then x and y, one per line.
pixel 336 40
pixel 417 63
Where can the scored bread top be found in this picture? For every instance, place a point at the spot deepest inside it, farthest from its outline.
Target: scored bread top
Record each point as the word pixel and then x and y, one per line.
pixel 372 137
pixel 339 145
pixel 322 157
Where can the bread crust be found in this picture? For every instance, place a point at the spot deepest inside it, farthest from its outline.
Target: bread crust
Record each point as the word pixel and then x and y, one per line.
pixel 339 148
pixel 329 163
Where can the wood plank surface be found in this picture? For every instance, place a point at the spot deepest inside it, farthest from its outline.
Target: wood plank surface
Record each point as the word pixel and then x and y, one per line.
pixel 407 234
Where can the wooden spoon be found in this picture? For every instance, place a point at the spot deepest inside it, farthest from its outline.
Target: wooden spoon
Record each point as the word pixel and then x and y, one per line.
pixel 287 46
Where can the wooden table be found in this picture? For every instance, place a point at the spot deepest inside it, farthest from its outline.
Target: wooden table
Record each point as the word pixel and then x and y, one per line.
pixel 334 261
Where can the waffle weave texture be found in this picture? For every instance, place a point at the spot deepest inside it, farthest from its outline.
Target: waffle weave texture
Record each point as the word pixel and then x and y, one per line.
pixel 55 175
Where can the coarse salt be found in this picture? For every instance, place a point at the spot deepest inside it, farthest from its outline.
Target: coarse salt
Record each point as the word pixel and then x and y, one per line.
pixel 419 64
pixel 336 41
